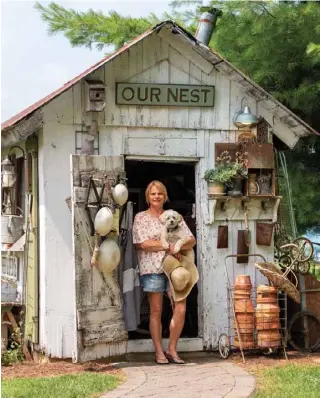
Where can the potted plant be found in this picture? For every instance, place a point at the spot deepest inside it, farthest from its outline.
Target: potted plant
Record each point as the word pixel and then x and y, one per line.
pixel 218 178
pixel 239 172
pixel 227 174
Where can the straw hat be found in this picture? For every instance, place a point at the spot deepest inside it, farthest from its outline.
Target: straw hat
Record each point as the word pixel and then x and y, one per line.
pixel 182 276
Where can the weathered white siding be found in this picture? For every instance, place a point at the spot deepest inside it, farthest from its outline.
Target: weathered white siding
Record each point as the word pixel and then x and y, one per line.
pixel 141 131
pixel 57 299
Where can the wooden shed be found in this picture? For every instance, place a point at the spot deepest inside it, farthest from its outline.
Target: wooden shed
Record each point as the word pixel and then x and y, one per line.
pixel 161 107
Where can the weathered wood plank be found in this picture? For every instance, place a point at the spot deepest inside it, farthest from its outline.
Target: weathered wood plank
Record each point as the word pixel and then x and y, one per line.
pixel 113 333
pixel 22 130
pixel 91 317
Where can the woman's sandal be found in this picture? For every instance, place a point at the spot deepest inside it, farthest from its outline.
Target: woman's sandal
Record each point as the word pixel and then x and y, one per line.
pixel 175 360
pixel 164 361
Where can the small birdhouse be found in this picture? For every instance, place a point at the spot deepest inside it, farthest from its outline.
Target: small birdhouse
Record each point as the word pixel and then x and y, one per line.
pixel 96 96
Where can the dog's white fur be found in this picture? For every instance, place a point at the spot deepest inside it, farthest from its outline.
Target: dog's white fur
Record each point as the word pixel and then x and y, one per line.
pixel 173 234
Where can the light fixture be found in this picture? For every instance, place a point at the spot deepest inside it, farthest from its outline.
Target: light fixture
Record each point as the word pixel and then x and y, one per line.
pixel 8 174
pixel 8 180
pixel 245 118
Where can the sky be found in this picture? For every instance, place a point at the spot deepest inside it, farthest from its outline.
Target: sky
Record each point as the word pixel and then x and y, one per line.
pixel 33 64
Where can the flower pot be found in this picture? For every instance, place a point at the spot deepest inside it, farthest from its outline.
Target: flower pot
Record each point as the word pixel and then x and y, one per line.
pixel 215 188
pixel 237 187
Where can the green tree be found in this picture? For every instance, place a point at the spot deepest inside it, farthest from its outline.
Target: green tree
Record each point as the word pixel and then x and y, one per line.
pixel 275 43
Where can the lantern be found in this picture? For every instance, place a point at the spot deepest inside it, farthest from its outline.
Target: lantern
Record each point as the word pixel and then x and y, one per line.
pixel 8 175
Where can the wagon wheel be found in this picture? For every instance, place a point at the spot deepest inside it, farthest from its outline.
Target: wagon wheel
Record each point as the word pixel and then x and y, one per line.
pixel 303 268
pixel 304 331
pixel 304 251
pixel 224 346
pixel 284 261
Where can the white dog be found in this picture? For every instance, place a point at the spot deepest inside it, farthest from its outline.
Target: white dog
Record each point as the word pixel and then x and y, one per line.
pixel 173 234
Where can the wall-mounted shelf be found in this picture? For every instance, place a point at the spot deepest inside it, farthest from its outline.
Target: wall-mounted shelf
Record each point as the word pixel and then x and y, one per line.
pixel 234 207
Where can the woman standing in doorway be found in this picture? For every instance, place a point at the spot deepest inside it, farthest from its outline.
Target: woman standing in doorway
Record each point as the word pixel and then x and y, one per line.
pixel 146 237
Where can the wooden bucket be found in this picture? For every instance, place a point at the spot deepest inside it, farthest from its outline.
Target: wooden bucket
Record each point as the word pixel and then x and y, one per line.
pixel 268 338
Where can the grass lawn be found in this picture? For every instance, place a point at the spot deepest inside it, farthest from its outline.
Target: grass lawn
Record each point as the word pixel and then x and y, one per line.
pixel 294 380
pixel 81 385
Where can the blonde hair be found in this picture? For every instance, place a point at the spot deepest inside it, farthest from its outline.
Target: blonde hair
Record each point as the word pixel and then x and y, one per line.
pixel 160 186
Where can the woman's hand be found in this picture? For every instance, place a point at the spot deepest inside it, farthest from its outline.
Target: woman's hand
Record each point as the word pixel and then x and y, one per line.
pixel 173 253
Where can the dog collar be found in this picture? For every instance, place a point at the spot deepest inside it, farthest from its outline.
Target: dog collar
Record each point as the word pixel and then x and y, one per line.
pixel 173 229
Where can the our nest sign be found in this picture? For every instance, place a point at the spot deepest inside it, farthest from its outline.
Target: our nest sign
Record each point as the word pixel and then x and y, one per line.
pixel 164 94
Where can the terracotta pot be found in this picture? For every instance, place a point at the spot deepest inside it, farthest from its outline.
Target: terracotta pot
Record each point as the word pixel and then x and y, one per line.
pixel 267 317
pixel 266 300
pixel 243 305
pixel 265 308
pixel 266 289
pixel 243 280
pixel 268 338
pixel 245 322
pixel 245 344
pixel 215 188
pixel 242 294
pixel 245 287
pixel 266 325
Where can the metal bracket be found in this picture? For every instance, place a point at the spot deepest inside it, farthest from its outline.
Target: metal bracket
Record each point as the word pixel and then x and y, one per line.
pixel 96 204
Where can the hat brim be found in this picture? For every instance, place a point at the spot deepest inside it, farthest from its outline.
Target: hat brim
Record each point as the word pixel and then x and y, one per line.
pixel 169 264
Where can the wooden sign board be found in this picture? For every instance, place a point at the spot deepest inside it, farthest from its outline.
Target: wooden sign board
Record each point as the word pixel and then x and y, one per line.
pixel 164 94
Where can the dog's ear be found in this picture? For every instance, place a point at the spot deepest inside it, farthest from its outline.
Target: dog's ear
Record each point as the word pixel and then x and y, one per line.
pixel 179 218
pixel 162 218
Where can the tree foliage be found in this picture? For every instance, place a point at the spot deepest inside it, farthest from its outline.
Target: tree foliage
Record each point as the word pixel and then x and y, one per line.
pixel 276 43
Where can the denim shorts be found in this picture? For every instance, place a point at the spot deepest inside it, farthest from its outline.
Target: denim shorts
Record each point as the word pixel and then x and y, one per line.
pixel 155 283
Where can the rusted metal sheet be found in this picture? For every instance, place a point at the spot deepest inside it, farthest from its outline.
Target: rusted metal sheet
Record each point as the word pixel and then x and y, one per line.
pixel 260 156
pixel 226 147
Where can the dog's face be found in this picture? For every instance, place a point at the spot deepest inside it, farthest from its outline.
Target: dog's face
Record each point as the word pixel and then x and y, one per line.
pixel 170 218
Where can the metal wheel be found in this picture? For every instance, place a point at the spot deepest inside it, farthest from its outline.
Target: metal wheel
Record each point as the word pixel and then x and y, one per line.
pixel 224 346
pixel 303 268
pixel 284 261
pixel 304 251
pixel 304 331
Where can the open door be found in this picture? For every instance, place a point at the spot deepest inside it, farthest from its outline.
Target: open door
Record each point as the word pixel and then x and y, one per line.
pixel 100 330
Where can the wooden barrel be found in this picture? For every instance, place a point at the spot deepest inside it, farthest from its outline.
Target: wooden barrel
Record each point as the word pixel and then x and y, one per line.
pixel 268 338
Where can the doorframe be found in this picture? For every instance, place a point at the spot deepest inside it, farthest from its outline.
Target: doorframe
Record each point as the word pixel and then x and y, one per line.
pixel 185 344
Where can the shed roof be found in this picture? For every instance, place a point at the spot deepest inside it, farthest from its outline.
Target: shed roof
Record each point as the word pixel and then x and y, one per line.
pixel 293 122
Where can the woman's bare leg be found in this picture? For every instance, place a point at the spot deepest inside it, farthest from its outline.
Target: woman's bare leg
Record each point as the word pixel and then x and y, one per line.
pixel 176 326
pixel 155 303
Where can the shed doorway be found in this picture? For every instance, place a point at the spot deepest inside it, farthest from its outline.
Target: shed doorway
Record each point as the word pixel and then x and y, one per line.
pixel 179 179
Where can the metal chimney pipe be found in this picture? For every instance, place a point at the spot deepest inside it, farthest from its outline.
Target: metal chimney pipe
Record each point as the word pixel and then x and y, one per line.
pixel 207 23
